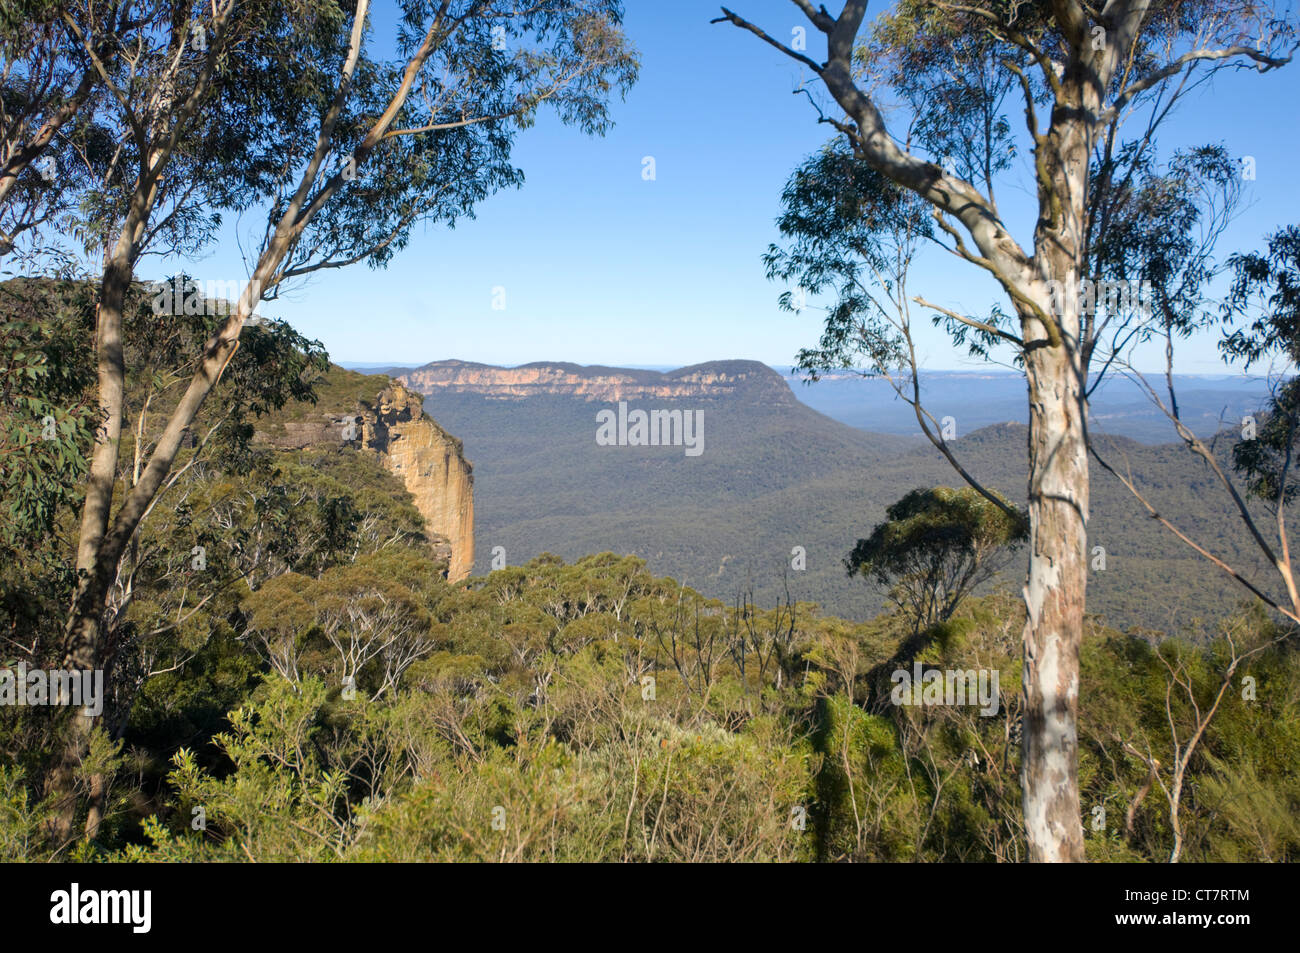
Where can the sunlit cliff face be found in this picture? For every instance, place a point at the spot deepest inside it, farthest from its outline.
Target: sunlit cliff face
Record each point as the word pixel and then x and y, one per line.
pixel 718 379
pixel 432 464
pixel 410 444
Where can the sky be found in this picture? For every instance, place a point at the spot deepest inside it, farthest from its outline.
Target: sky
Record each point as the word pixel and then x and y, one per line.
pixel 600 265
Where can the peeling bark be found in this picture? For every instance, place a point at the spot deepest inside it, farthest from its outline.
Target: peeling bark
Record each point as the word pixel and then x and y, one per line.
pixel 1054 600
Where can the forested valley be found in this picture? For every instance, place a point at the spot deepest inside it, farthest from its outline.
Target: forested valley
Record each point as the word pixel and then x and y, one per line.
pixel 241 614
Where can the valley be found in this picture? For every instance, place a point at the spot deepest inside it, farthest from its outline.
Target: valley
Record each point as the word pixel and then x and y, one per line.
pixel 778 474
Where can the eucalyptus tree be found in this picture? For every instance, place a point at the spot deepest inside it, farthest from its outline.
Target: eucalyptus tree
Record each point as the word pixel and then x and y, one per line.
pixel 46 83
pixel 188 125
pixel 935 547
pixel 920 97
pixel 347 142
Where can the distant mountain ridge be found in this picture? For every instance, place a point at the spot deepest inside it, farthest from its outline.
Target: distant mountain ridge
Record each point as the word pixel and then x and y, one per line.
pixel 975 398
pixel 980 398
pixel 706 381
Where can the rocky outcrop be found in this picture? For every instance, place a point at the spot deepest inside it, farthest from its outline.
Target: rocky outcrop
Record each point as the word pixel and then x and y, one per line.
pixel 711 380
pixel 410 444
pixel 432 464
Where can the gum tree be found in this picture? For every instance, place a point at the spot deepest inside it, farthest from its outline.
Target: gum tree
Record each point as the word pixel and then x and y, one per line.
pixel 346 144
pixel 45 82
pixel 934 548
pixel 1094 83
pixel 194 105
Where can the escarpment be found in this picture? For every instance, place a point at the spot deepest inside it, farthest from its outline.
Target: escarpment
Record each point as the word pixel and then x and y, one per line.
pixel 432 464
pixel 715 379
pixel 392 425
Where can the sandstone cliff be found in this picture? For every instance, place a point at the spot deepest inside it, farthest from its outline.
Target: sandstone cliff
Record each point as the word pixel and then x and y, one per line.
pixel 410 444
pixel 701 381
pixel 432 464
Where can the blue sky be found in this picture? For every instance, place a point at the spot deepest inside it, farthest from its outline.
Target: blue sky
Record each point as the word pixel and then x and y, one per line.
pixel 602 266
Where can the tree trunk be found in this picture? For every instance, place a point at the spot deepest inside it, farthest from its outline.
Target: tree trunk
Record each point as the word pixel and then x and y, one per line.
pixel 81 647
pixel 61 782
pixel 1054 600
pixel 99 549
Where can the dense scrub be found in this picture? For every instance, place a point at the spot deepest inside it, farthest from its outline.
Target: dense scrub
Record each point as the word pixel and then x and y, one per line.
pixel 594 712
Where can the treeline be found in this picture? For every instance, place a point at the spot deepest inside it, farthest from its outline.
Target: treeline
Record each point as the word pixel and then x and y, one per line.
pixel 594 712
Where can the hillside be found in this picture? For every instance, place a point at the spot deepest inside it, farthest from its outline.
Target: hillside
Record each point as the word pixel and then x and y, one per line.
pixel 776 474
pixel 372 413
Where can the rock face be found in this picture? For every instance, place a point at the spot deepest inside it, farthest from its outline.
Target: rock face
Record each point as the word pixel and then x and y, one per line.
pixel 432 464
pixel 714 379
pixel 410 444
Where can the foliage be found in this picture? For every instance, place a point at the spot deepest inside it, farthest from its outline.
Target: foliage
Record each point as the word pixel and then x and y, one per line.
pixel 593 712
pixel 935 546
pixel 1266 290
pixel 46 414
